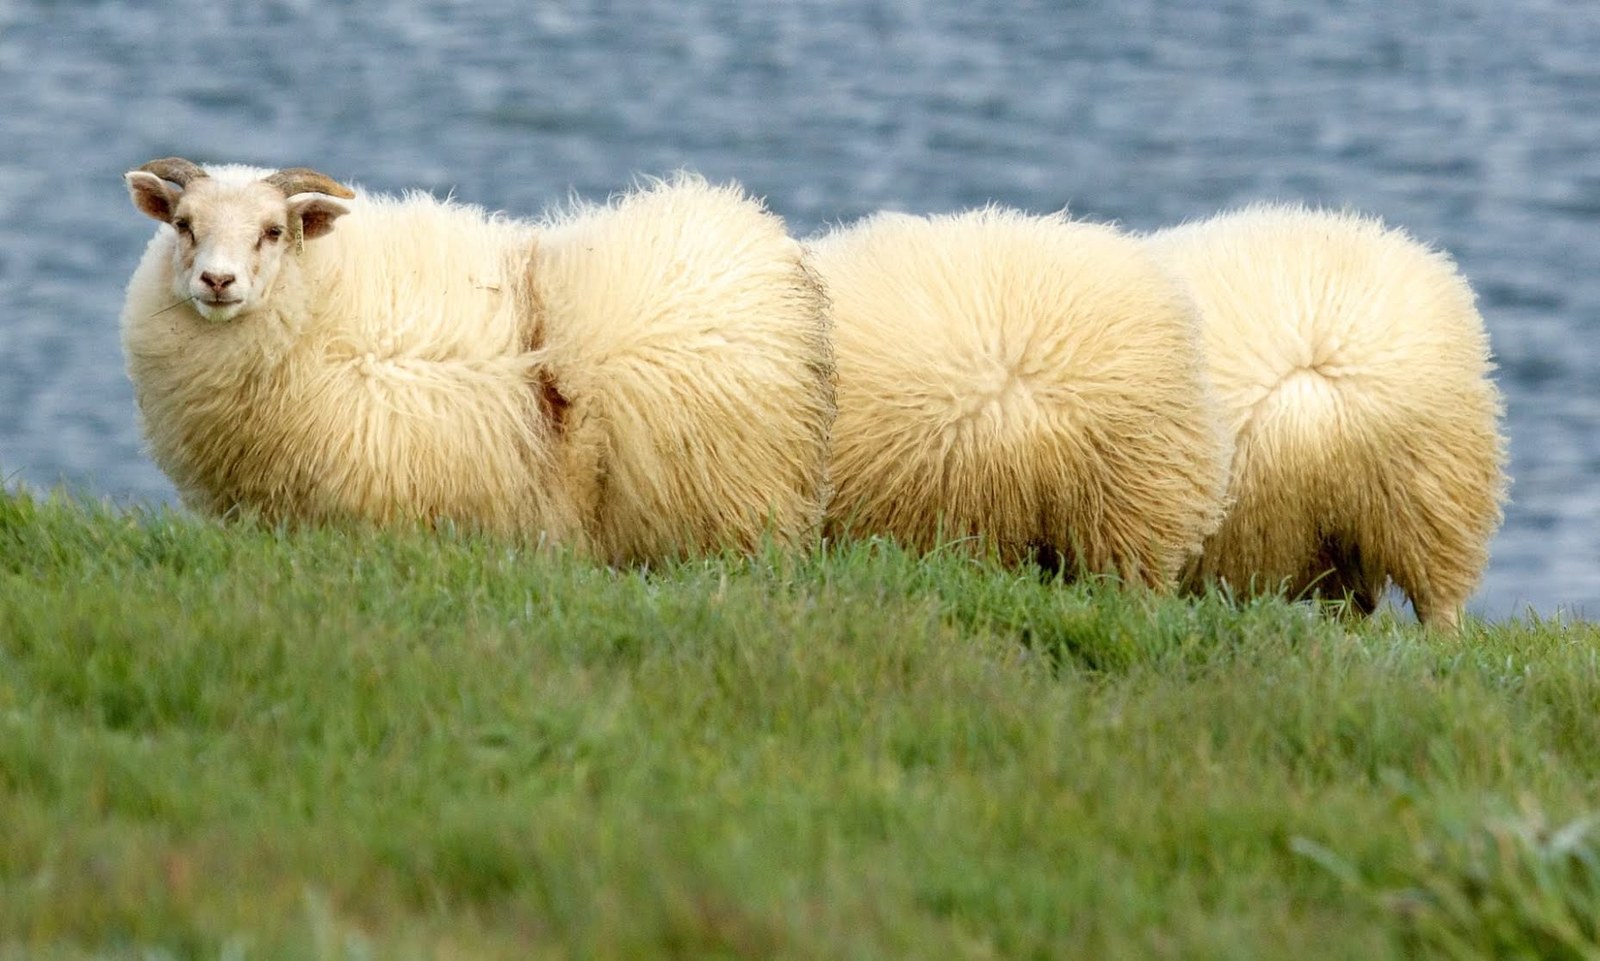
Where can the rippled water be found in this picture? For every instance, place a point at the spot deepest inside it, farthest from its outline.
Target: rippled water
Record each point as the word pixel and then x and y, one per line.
pixel 1475 123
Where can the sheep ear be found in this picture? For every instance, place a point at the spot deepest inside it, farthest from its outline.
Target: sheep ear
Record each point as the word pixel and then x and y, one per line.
pixel 316 213
pixel 154 197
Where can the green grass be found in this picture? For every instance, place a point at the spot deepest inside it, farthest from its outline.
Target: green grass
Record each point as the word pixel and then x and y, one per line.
pixel 237 743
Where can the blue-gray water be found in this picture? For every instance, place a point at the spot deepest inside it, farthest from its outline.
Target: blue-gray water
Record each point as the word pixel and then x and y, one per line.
pixel 1474 123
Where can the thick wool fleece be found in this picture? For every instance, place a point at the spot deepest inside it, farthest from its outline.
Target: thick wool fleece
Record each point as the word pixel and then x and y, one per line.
pixel 1029 382
pixel 1353 370
pixel 646 379
pixel 692 342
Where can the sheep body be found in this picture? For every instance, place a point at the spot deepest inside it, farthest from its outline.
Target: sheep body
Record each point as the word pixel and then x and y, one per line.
pixel 424 361
pixel 693 343
pixel 1353 369
pixel 1032 382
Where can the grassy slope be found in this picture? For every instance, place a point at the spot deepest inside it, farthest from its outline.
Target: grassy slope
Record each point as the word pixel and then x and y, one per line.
pixel 246 744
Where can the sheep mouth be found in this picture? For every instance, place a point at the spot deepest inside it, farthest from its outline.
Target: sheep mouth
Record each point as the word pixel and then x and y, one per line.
pixel 219 309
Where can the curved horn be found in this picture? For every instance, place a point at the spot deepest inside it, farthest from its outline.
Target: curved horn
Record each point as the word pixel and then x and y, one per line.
pixel 175 169
pixel 299 180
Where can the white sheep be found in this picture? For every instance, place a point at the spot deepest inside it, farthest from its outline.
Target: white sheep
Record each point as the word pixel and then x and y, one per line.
pixel 1027 382
pixel 1353 368
pixel 643 379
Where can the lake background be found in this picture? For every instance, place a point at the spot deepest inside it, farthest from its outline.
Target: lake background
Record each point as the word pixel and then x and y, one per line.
pixel 1473 123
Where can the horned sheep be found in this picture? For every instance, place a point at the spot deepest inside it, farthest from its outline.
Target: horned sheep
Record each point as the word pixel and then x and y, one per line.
pixel 645 378
pixel 1353 369
pixel 1027 382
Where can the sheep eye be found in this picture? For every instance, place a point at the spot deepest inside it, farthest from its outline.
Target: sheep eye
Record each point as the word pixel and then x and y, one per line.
pixel 273 233
pixel 181 225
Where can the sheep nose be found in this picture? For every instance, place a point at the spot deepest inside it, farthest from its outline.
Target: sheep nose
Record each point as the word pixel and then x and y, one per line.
pixel 217 282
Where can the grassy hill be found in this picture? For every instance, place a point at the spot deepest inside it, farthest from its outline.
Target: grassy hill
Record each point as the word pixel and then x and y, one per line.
pixel 238 743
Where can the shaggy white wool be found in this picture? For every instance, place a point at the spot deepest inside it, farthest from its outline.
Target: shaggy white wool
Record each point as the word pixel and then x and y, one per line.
pixel 645 378
pixel 1029 382
pixel 1353 370
pixel 693 343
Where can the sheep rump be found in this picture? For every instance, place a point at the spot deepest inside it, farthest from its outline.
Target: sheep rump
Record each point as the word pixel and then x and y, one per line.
pixel 1353 369
pixel 693 343
pixel 642 379
pixel 1031 383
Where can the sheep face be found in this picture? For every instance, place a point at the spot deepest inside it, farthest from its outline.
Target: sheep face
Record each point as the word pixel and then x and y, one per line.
pixel 230 239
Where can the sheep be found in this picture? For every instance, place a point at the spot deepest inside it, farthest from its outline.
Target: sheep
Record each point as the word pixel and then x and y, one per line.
pixel 642 379
pixel 1027 382
pixel 1353 369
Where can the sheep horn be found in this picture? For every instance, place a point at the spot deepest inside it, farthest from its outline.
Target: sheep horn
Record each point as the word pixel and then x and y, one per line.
pixel 300 180
pixel 175 169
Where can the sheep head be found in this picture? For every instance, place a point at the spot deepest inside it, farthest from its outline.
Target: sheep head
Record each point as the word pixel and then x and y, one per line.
pixel 231 233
